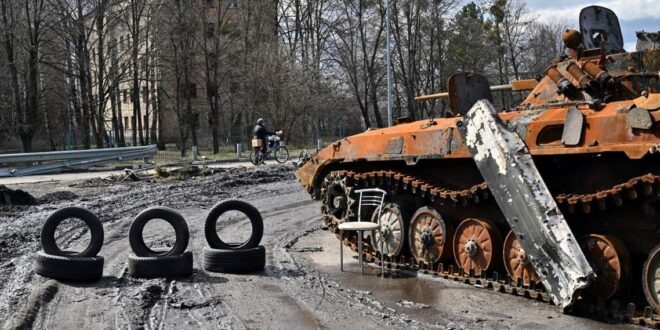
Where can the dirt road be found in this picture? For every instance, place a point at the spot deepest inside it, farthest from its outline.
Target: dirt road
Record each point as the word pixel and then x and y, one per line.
pixel 300 288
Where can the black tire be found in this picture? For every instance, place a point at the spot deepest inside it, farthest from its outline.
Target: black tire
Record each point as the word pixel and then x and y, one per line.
pixel 180 265
pixel 256 157
pixel 67 268
pixel 234 261
pixel 175 219
pixel 91 220
pixel 281 154
pixel 234 205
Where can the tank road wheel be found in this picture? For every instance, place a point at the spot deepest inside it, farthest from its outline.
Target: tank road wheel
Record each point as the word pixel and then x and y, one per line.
pixel 430 236
pixel 338 203
pixel 392 230
pixel 610 261
pixel 516 262
pixel 651 278
pixel 476 245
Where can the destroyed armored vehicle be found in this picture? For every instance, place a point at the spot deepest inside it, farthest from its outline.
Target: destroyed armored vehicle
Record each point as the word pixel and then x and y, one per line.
pixel 560 193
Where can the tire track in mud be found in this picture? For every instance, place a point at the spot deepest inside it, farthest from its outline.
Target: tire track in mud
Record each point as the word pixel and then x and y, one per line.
pixel 202 301
pixel 115 203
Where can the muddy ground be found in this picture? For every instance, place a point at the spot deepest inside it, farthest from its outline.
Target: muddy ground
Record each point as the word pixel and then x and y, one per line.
pixel 301 286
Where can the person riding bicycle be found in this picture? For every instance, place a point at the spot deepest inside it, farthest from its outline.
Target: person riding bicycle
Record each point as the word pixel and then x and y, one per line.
pixel 260 132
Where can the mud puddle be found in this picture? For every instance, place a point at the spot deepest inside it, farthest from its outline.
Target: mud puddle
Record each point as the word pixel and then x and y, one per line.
pixel 427 300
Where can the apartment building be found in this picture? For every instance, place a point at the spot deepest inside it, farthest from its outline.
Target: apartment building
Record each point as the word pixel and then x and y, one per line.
pixel 156 67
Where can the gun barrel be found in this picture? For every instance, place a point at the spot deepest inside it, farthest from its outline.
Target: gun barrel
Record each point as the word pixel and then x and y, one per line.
pixel 431 96
pixel 518 85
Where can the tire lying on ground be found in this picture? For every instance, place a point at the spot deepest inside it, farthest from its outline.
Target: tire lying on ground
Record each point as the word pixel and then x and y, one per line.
pixel 67 268
pixel 172 266
pixel 234 261
pixel 90 219
pixel 233 205
pixel 175 219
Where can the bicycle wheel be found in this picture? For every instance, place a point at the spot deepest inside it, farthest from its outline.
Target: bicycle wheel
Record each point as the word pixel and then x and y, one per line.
pixel 281 154
pixel 256 157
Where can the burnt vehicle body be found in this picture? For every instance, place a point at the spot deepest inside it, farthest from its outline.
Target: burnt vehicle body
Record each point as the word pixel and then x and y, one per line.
pixel 591 129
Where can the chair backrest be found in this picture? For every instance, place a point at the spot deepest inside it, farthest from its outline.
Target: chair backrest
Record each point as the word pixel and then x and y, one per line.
pixel 371 197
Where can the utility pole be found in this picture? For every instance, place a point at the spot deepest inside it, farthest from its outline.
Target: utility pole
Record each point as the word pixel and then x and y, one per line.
pixel 389 67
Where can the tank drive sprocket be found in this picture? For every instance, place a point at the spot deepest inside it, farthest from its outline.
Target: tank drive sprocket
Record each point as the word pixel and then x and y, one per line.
pixel 338 201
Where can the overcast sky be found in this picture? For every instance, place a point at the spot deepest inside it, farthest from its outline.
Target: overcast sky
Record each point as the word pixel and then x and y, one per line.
pixel 634 15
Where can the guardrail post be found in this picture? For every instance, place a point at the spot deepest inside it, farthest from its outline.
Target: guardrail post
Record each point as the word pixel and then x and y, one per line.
pixel 194 152
pixel 319 144
pixel 239 150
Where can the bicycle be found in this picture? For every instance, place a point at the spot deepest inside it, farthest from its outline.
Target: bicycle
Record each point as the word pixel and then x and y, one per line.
pixel 277 149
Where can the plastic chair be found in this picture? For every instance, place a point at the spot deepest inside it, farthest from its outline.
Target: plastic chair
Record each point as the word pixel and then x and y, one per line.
pixel 367 197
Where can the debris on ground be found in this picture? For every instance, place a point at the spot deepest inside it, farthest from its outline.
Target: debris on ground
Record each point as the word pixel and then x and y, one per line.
pixel 24 317
pixel 410 304
pixel 15 197
pixel 307 249
pixel 57 196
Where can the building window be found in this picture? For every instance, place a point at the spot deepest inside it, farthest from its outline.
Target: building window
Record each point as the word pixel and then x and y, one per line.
pixel 127 123
pixel 125 96
pixel 233 3
pixel 145 94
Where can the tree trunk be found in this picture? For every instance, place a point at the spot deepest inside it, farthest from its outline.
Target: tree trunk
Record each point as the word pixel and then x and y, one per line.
pixel 159 114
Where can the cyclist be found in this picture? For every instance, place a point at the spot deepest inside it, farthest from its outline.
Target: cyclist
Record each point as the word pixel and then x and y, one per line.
pixel 260 132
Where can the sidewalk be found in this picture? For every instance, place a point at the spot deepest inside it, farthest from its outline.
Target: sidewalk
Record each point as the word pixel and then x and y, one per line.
pixel 104 173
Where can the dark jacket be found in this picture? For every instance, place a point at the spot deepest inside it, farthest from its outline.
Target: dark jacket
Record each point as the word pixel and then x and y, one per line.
pixel 260 132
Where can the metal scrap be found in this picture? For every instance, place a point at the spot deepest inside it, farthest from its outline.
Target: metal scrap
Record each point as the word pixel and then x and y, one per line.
pixel 525 201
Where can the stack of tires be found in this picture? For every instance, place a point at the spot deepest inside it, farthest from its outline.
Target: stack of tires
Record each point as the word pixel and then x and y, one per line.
pixel 84 266
pixel 243 257
pixel 147 263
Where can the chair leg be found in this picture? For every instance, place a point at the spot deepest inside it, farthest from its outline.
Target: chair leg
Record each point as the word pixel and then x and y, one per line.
pixel 341 250
pixel 382 259
pixel 360 253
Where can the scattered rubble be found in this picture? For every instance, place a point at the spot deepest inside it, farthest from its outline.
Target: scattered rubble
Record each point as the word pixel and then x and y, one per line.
pixel 15 197
pixel 58 196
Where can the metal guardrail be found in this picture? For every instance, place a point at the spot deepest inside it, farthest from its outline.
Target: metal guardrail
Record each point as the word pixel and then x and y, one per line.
pixel 62 160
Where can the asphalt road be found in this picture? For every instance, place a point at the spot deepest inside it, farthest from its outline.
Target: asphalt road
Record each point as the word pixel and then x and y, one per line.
pixel 301 287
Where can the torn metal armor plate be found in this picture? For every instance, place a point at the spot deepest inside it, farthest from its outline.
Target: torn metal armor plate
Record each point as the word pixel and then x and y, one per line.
pixel 525 201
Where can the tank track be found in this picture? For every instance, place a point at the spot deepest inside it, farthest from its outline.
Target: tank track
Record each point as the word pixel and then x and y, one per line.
pixel 613 311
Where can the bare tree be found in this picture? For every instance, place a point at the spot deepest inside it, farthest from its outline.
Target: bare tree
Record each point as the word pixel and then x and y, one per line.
pixel 177 29
pixel 24 27
pixel 133 19
pixel 218 43
pixel 357 41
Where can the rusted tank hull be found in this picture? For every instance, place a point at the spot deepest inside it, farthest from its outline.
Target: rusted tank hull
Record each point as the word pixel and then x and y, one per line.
pixel 606 131
pixel 590 131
